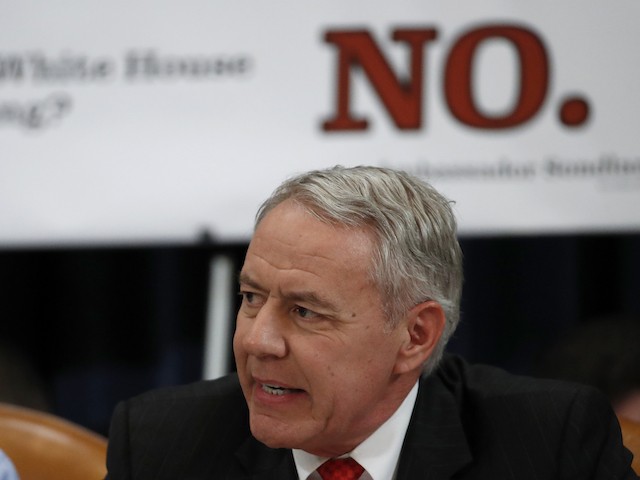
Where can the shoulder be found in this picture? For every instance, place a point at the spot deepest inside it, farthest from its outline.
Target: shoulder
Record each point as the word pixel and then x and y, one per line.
pixel 197 405
pixel 484 384
pixel 178 429
pixel 222 390
pixel 490 395
pixel 565 427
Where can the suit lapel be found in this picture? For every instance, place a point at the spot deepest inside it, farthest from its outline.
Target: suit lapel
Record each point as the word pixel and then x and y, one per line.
pixel 258 461
pixel 435 446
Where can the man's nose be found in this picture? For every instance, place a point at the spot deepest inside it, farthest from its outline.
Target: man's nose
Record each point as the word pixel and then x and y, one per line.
pixel 265 336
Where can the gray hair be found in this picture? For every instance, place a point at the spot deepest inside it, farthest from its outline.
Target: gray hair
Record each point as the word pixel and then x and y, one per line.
pixel 417 256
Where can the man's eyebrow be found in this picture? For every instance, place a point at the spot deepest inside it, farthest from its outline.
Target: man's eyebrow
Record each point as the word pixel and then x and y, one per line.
pixel 245 279
pixel 303 296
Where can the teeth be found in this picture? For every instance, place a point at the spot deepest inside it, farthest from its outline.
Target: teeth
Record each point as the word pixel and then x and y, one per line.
pixel 274 389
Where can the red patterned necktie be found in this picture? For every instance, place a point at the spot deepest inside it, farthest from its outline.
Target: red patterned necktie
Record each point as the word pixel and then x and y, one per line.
pixel 340 469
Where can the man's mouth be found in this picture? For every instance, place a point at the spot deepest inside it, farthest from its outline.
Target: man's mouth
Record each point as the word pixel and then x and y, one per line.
pixel 278 390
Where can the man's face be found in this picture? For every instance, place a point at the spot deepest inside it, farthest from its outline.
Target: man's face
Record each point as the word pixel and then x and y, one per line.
pixel 315 362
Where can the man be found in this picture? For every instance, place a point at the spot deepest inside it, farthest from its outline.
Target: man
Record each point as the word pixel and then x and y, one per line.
pixel 350 290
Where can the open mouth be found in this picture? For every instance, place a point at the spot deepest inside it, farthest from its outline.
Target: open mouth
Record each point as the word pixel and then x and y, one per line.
pixel 278 390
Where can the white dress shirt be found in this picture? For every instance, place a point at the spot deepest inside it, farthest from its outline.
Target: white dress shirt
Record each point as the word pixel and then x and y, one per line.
pixel 378 454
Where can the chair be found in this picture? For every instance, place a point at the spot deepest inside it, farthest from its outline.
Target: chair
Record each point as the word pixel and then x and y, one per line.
pixel 46 447
pixel 631 440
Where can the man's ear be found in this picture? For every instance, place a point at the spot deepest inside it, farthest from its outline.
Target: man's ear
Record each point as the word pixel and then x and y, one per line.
pixel 424 326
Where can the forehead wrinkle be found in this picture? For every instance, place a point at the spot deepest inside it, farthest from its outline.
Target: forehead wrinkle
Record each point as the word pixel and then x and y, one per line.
pixel 286 248
pixel 283 268
pixel 288 262
pixel 289 257
pixel 296 244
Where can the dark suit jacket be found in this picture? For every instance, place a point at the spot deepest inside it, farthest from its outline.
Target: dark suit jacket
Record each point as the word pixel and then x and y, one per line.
pixel 470 422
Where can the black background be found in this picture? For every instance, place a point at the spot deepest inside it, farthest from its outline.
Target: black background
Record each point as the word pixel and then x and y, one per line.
pixel 100 324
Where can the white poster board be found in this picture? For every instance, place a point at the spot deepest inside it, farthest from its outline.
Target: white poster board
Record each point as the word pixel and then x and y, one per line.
pixel 147 121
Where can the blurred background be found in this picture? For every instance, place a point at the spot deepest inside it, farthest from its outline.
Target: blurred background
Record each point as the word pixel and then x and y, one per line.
pixel 138 139
pixel 92 326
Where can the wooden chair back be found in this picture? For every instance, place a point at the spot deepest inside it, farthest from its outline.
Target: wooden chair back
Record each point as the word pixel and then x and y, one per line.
pixel 631 440
pixel 46 447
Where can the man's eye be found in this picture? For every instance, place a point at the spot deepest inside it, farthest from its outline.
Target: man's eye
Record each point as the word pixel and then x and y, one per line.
pixel 305 312
pixel 249 298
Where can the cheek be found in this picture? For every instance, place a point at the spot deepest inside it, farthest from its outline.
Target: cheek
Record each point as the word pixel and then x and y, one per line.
pixel 323 369
pixel 369 365
pixel 345 373
pixel 238 336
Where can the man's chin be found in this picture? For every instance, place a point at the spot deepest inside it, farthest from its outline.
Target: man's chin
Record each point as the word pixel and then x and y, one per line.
pixel 274 440
pixel 275 434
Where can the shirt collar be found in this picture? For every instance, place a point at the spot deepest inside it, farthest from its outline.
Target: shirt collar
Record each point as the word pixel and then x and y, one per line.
pixel 379 453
